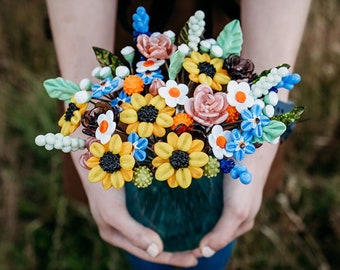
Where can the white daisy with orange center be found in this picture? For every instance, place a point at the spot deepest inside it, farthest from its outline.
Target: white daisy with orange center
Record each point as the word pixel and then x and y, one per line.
pixel 150 64
pixel 239 95
pixel 106 127
pixel 218 139
pixel 174 93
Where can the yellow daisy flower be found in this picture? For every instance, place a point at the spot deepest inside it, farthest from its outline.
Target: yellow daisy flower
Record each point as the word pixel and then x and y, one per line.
pixel 70 120
pixel 111 163
pixel 147 115
pixel 202 69
pixel 179 160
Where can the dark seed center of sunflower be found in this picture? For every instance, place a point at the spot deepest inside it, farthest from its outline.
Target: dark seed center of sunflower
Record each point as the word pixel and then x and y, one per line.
pixel 109 162
pixel 70 110
pixel 147 113
pixel 207 69
pixel 179 159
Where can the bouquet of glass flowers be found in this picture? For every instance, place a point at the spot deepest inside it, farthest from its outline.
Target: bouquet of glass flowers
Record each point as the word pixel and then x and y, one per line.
pixel 175 110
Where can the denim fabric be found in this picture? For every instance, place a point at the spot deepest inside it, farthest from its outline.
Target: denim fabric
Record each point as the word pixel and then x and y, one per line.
pixel 217 262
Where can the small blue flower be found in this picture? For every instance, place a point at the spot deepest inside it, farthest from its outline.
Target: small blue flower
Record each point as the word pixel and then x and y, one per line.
pixel 254 120
pixel 123 97
pixel 240 144
pixel 106 86
pixel 141 21
pixel 240 171
pixel 149 76
pixel 226 165
pixel 139 146
pixel 289 81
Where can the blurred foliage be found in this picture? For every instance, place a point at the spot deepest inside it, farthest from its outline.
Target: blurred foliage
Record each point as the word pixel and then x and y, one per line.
pixel 297 227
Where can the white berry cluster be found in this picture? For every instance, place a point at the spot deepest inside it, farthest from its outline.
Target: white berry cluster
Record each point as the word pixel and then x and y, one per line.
pixel 59 141
pixel 196 25
pixel 262 86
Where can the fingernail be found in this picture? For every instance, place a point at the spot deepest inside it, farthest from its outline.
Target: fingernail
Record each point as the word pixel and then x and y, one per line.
pixel 207 252
pixel 152 250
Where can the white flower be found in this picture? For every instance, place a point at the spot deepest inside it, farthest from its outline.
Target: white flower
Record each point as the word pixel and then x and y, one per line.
pixel 174 93
pixel 218 139
pixel 106 127
pixel 239 95
pixel 149 65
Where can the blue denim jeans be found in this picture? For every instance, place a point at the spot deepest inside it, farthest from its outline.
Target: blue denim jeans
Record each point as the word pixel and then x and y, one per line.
pixel 218 261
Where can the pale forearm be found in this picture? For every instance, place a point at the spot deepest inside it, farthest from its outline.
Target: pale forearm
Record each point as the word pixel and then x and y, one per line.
pixel 272 32
pixel 77 26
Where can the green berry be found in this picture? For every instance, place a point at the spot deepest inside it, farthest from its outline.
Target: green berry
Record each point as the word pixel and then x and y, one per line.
pixel 212 168
pixel 142 177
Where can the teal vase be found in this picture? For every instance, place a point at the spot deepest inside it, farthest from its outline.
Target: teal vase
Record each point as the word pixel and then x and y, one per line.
pixel 180 216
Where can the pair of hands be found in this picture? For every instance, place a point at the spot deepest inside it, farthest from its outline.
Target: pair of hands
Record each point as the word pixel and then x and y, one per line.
pixel 241 205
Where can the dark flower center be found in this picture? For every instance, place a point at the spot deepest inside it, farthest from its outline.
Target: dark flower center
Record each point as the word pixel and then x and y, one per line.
pixel 70 110
pixel 109 162
pixel 147 113
pixel 257 120
pixel 179 159
pixel 242 145
pixel 207 69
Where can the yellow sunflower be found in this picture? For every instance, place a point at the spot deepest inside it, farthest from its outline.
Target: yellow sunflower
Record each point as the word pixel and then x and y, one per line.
pixel 147 115
pixel 111 163
pixel 70 120
pixel 202 69
pixel 179 160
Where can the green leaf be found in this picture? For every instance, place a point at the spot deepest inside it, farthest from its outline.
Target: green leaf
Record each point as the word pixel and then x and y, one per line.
pixel 183 35
pixel 176 61
pixel 106 58
pixel 230 39
pixel 290 117
pixel 273 130
pixel 61 89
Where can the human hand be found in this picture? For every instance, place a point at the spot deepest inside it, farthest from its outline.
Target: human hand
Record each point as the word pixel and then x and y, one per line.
pixel 241 203
pixel 119 229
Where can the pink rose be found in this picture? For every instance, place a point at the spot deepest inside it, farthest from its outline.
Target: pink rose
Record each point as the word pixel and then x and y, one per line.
pixel 156 46
pixel 207 108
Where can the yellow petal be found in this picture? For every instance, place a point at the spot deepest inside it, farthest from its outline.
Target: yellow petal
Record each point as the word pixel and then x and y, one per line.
pixel 198 159
pixel 145 129
pixel 163 150
pixel 183 177
pixel 132 128
pixel 148 98
pixel 217 63
pixel 172 182
pixel 191 67
pixel 128 116
pixel 216 86
pixel 138 101
pixel 221 78
pixel 126 148
pixel 127 162
pixel 158 102
pixel 164 172
pixel 204 79
pixel 164 120
pixel 194 77
pixel 97 149
pixel 158 161
pixel 172 139
pixel 96 174
pixel 76 117
pixel 197 57
pixel 196 146
pixel 184 141
pixel 117 180
pixel 115 144
pixel 196 172
pixel 61 120
pixel 92 162
pixel 168 110
pixel 65 129
pixel 107 181
pixel 158 131
pixel 126 106
pixel 127 174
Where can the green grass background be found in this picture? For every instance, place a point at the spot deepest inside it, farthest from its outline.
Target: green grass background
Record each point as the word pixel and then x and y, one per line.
pixel 298 226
